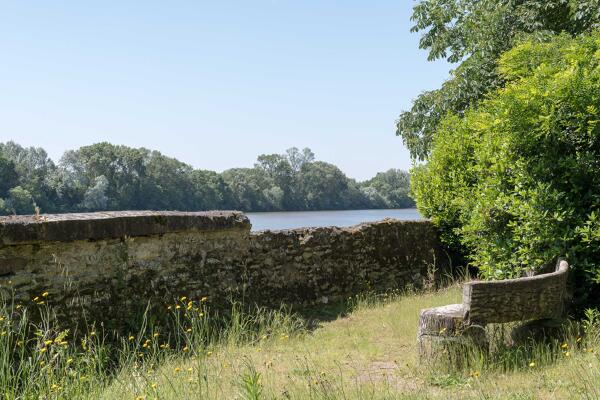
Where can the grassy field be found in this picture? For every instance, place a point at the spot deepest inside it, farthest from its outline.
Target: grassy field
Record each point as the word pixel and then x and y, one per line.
pixel 368 353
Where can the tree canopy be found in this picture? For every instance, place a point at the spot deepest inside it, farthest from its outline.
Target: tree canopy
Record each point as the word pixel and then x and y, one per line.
pixel 104 176
pixel 474 33
pixel 515 180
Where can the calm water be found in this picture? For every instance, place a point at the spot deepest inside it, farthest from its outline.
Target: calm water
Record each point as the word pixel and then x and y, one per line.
pixel 299 219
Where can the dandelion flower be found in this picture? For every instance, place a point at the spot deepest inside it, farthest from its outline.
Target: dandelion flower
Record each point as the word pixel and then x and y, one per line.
pixel 93 333
pixel 69 360
pixel 531 364
pixel 188 330
pixel 43 349
pixel 36 298
pixel 189 369
pixel 209 353
pixel 183 298
pixel 204 299
pixel 567 354
pixel 48 342
pixel 130 338
pixel 156 334
pixel 564 346
pixel 177 307
pixel 45 294
pixel 177 369
pixel 185 349
pixel 154 386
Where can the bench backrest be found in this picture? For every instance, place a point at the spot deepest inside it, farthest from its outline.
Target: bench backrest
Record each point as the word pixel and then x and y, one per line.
pixel 535 297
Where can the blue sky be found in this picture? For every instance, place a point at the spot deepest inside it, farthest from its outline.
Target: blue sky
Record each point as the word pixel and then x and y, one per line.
pixel 214 83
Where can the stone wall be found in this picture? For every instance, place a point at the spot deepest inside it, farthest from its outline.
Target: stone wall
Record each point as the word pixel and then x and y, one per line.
pixel 109 266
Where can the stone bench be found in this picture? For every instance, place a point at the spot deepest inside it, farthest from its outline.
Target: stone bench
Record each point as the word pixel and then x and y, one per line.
pixel 537 297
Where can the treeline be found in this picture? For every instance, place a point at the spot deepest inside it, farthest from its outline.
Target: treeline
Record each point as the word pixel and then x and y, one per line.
pixel 109 177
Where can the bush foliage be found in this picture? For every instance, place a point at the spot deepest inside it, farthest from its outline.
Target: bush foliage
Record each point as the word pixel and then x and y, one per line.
pixel 516 180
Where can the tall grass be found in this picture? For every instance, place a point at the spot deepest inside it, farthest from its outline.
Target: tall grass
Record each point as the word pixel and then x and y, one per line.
pixel 255 353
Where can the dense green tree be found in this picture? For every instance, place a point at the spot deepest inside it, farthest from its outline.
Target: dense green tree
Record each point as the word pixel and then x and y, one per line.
pixel 516 180
pixel 297 158
pixel 8 176
pixel 33 167
pixel 474 33
pixel 248 186
pixel 210 191
pixel 282 178
pixel 20 201
pixel 323 186
pixel 390 189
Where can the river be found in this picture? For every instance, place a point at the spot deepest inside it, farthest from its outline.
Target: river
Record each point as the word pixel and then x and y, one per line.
pixel 298 219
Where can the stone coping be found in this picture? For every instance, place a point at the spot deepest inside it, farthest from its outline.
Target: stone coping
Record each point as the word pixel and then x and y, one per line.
pixel 113 224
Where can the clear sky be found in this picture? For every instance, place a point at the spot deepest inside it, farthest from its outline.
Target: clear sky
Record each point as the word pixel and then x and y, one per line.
pixel 214 83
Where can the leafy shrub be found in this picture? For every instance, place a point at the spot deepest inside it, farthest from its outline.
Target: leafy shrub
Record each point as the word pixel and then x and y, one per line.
pixel 516 180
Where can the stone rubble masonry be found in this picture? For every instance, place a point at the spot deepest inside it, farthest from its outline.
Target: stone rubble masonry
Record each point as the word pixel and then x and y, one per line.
pixel 108 266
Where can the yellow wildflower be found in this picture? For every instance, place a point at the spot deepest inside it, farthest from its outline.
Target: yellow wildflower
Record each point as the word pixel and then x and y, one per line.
pixel 69 360
pixel 36 298
pixel 43 349
pixel 131 338
pixel 189 369
pixel 564 346
pixel 531 364
pixel 156 334
pixel 48 342
pixel 177 369
pixel 154 386
pixel 183 298
pixel 185 349
pixel 177 307
pixel 188 330
pixel 45 294
pixel 204 299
